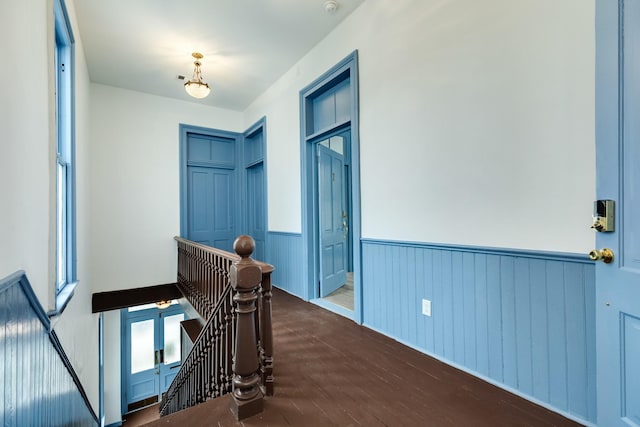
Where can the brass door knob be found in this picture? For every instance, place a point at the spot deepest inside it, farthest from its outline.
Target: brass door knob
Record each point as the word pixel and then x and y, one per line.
pixel 605 255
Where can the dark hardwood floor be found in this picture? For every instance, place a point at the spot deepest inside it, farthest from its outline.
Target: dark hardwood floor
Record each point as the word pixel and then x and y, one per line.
pixel 331 372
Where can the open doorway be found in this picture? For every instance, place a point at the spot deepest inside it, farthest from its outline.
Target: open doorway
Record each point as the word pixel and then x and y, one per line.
pixel 334 200
pixel 331 189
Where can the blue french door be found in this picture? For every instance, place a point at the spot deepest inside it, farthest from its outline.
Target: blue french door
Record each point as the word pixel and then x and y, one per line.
pixel 332 216
pixel 151 353
pixel 618 179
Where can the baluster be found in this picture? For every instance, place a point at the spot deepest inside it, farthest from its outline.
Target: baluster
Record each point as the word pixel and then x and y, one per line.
pixel 229 340
pixel 266 331
pixel 245 278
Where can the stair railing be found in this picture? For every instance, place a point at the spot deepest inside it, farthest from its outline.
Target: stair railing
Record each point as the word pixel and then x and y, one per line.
pixel 234 350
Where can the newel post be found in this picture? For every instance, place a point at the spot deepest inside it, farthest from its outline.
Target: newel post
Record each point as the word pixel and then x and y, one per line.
pixel 245 276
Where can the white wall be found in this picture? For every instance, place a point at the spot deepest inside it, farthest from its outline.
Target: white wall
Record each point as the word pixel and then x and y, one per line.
pixel 476 122
pixel 27 175
pixel 25 143
pixel 135 204
pixel 135 199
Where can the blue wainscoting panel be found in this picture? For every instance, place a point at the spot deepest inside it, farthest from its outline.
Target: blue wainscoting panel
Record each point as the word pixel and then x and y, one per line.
pixel 285 253
pixel 521 319
pixel 37 384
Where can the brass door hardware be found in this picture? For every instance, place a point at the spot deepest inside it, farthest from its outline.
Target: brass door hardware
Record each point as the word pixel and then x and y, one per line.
pixel 606 255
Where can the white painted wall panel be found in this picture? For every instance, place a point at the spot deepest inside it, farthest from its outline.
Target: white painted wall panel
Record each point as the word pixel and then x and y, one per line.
pixel 135 202
pixel 24 144
pixel 476 121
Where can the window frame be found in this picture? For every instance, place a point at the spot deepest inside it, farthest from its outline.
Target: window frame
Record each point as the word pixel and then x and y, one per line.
pixel 65 278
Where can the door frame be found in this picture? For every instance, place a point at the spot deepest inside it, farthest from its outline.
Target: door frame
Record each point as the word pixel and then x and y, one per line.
pixel 185 130
pixel 260 126
pixel 310 240
pixel 240 168
pixel 125 350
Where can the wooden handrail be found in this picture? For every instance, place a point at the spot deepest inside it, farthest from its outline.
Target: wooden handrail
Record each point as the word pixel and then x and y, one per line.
pixel 234 350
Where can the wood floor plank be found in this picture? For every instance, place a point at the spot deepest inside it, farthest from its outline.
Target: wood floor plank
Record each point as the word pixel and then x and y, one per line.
pixel 331 372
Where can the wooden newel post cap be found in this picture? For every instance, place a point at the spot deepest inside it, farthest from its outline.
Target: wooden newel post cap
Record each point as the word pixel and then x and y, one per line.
pixel 244 246
pixel 246 273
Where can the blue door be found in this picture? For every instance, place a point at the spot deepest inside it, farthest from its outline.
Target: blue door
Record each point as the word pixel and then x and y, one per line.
pixel 210 206
pixel 332 218
pixel 151 353
pixel 618 179
pixel 141 360
pixel 209 202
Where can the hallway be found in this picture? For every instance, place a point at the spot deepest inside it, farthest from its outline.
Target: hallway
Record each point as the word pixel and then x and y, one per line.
pixel 330 371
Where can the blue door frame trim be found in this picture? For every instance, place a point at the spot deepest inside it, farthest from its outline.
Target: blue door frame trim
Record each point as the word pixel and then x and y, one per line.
pixel 309 217
pixel 185 130
pixel 64 295
pixel 259 126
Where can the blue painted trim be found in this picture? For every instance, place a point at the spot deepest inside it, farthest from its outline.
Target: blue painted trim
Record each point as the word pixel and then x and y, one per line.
pixel 285 233
pixel 183 131
pixel 217 165
pixel 309 215
pixel 334 308
pixel 62 299
pixel 64 38
pixel 20 278
pixel 485 378
pixel 123 362
pixel 259 126
pixel 101 368
pixel 116 424
pixel 62 14
pixel 323 133
pixel 523 253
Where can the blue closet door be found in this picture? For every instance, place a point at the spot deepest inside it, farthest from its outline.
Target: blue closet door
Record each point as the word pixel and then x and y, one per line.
pixel 333 231
pixel 211 198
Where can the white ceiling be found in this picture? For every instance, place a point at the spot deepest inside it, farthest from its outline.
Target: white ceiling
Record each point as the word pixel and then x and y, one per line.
pixel 144 45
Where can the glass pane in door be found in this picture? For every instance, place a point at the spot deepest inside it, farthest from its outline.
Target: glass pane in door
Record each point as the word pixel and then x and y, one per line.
pixel 142 346
pixel 172 338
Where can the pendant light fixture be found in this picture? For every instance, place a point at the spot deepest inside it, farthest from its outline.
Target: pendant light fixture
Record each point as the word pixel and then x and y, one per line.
pixel 196 87
pixel 163 304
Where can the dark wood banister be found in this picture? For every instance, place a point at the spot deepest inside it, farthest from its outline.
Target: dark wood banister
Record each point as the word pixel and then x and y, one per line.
pixel 234 350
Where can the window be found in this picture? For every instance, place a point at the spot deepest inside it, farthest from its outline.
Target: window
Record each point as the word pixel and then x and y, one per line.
pixel 65 157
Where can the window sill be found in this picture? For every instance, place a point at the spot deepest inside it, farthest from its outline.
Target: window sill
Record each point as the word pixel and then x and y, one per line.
pixel 62 299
